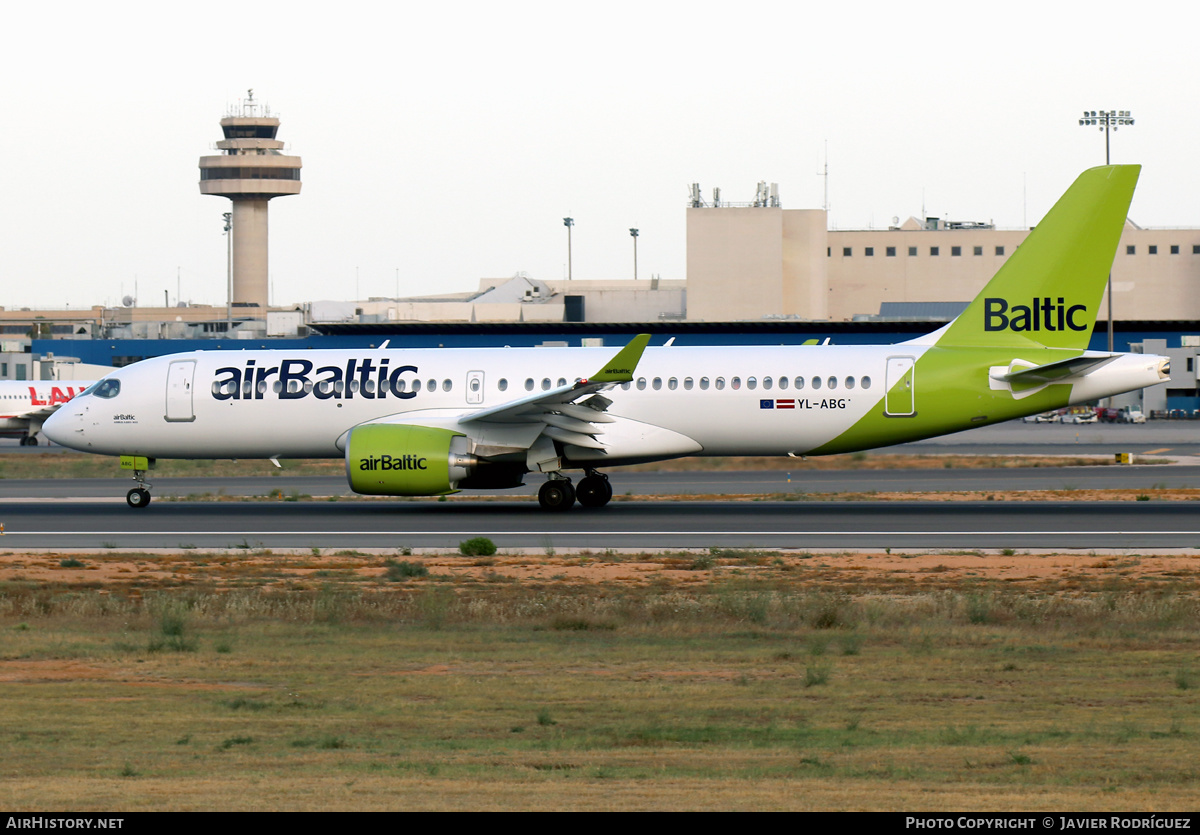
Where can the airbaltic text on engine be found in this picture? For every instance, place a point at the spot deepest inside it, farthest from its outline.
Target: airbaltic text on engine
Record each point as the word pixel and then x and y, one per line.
pixel 1042 313
pixel 375 380
pixel 393 462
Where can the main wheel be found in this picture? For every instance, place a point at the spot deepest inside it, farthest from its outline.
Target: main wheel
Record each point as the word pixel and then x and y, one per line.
pixel 557 494
pixel 594 491
pixel 138 497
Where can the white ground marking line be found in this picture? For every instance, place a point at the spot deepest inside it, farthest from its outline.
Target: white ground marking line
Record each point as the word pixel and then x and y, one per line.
pixel 607 532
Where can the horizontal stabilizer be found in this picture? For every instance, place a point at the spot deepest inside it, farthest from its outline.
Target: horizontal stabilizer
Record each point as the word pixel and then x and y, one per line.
pixel 1022 376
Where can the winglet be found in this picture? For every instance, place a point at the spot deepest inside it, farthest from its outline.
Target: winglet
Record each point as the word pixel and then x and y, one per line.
pixel 621 367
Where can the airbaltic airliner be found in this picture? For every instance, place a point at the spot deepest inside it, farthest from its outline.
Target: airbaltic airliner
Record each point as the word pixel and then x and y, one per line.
pixel 25 405
pixel 433 422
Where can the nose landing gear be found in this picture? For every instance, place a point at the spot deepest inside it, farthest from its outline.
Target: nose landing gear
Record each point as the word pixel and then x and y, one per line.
pixel 139 496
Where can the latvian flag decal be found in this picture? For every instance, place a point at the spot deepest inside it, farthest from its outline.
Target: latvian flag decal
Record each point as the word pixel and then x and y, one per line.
pixel 777 404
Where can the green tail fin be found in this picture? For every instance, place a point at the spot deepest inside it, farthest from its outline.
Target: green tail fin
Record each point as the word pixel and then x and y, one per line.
pixel 1048 293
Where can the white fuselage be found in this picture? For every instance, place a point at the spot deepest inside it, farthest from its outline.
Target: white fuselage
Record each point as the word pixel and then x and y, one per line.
pixel 683 400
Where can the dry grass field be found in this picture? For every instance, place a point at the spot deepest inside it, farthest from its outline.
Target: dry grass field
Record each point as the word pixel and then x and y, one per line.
pixel 617 680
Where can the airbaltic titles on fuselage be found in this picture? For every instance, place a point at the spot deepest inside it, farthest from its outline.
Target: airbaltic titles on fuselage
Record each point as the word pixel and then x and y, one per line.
pixel 371 379
pixel 294 379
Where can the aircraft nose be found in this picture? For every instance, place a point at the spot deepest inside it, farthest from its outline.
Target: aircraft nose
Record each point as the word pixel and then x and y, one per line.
pixel 61 427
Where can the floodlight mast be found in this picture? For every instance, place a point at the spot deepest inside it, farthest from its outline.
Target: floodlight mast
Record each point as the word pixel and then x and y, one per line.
pixel 1107 120
pixel 568 222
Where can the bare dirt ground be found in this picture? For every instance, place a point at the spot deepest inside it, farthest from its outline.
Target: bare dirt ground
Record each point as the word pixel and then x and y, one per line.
pixel 119 571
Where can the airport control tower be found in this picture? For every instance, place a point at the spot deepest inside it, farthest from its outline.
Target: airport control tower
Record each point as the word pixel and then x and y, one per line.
pixel 250 170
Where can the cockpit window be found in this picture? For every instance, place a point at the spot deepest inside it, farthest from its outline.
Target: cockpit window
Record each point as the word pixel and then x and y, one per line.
pixel 107 388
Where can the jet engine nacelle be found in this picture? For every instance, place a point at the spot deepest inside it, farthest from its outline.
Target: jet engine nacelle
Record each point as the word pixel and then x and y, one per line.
pixel 397 459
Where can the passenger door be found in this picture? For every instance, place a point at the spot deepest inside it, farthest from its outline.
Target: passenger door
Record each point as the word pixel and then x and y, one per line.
pixel 179 391
pixel 900 400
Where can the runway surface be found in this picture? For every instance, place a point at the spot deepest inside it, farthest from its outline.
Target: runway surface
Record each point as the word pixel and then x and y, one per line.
pixel 633 524
pixel 779 483
pixel 91 513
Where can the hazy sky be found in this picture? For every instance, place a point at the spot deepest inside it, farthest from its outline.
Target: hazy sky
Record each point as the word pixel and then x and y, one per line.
pixel 443 143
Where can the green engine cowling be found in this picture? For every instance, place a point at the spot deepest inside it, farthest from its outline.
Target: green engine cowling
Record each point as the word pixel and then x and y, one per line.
pixel 396 459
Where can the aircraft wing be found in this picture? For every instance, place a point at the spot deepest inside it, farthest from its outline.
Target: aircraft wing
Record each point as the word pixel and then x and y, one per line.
pixel 39 414
pixel 560 410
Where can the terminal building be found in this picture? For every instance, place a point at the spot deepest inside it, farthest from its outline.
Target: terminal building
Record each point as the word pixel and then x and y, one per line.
pixel 756 273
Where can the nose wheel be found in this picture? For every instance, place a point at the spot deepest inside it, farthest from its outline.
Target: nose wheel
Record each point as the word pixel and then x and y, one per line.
pixel 139 496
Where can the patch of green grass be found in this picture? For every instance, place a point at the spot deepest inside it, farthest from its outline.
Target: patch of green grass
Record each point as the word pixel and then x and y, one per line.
pixel 817 674
pixel 404 570
pixel 479 546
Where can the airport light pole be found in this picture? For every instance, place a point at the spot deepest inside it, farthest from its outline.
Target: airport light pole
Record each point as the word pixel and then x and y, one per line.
pixel 228 216
pixel 633 233
pixel 1107 120
pixel 568 222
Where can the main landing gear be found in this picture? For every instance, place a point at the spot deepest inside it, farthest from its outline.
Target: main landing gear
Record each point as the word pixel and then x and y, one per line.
pixel 29 440
pixel 558 494
pixel 139 496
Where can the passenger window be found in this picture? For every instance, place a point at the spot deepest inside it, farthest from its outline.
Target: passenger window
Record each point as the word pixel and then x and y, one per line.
pixel 752 383
pixel 529 384
pixel 625 386
pixel 431 385
pixel 502 384
pixel 799 383
pixel 783 382
pixel 368 386
pixel 447 385
pixel 672 384
pixel 641 383
pixel 416 385
pixel 735 383
pixel 562 381
pixel 865 382
pixel 849 382
pixel 703 384
pixel 687 383
pixel 657 383
pixel 816 382
pixel 720 383
pixel 833 382
pixel 400 386
pixel 766 382
pixel 545 384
